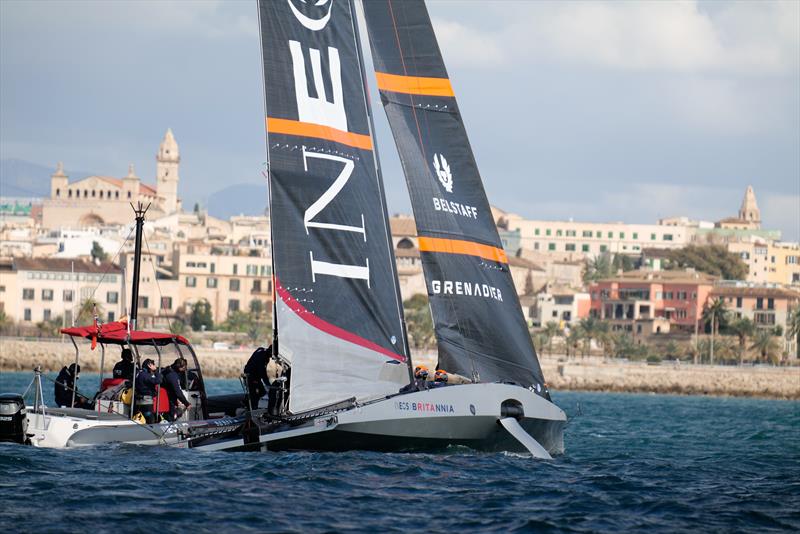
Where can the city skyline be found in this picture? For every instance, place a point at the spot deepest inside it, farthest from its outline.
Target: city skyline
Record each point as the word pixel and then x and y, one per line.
pixel 595 112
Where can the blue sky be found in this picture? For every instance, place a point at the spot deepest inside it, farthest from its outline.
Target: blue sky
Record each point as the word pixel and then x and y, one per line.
pixel 597 111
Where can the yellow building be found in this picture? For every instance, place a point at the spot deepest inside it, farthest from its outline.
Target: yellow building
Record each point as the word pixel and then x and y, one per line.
pixel 769 262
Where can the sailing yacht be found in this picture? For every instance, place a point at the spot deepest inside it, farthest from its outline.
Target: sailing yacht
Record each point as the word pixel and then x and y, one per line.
pixel 338 315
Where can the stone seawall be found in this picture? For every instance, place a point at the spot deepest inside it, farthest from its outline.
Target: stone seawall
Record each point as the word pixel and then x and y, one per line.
pixel 591 374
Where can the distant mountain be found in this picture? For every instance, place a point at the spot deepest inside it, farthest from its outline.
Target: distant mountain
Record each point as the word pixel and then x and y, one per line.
pixel 237 199
pixel 20 178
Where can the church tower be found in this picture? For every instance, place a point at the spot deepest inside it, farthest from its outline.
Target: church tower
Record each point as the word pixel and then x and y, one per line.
pixel 749 211
pixel 59 183
pixel 167 161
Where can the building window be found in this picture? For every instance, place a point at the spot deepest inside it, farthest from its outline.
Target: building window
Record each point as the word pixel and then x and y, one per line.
pixel 547 232
pixel 610 235
pixel 536 246
pixel 166 303
pixel 256 286
pixel 764 318
pixel 571 233
pixel 111 317
pixel 101 193
pixel 144 302
pixel 759 303
pixel 252 270
pixel 622 235
pixel 536 231
pixel 558 233
pixel 667 237
pixel 85 193
pixel 68 295
pixel 551 246
pixel 738 302
pixel 69 193
pixel 213 268
pixel 233 284
pixel 233 305
pixel 46 315
pixel 235 268
pixel 129 194
pixel 47 294
pixel 116 194
pixel 770 304
pixel 652 237
pixel 26 314
pixel 211 283
pixel 112 297
pixel 191 281
pixel 603 248
pixel 587 233
pixel 635 235
pixel 584 248
pixel 27 294
pixel 569 247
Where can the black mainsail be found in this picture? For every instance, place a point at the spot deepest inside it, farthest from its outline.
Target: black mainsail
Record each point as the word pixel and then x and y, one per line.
pixel 337 297
pixel 476 312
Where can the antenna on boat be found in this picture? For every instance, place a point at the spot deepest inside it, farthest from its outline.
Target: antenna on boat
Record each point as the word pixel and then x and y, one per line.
pixel 137 259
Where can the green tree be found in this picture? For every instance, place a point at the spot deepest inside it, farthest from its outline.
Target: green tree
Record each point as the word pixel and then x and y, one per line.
pixel 551 330
pixel 598 268
pixel 573 339
pixel 419 323
pixel 714 314
pixel 177 327
pixel 201 315
pixel 711 259
pixel 793 329
pixel 672 350
pixel 590 328
pixel 98 254
pixel 742 328
pixel 766 345
pixel 256 307
pixel 86 313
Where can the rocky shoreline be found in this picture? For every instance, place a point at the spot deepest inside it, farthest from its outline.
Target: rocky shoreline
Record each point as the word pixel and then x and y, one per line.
pixel 590 374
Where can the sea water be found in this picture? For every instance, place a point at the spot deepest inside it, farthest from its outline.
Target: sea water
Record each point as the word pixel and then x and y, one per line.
pixel 650 463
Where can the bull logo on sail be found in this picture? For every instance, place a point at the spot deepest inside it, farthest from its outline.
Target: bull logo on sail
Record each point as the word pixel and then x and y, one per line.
pixel 443 172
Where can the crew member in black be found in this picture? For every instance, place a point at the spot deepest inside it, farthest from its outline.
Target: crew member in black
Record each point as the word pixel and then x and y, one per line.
pixel 66 381
pixel 124 368
pixel 172 384
pixel 256 372
pixel 146 381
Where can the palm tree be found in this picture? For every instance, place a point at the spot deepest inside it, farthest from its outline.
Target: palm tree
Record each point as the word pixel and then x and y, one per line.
pixel 714 314
pixel 574 337
pixel 89 307
pixel 551 330
pixel 602 335
pixel 589 330
pixel 766 345
pixel 793 329
pixel 742 328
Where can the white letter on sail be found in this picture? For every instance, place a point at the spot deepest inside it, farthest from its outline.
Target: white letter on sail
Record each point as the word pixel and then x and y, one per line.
pixel 318 110
pixel 314 25
pixel 337 185
pixel 337 269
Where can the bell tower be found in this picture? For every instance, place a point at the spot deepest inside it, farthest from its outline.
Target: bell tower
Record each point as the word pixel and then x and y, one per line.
pixel 749 211
pixel 167 161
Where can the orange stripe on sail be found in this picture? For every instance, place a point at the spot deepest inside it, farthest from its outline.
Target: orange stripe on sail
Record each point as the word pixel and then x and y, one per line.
pixel 307 129
pixel 414 85
pixel 456 246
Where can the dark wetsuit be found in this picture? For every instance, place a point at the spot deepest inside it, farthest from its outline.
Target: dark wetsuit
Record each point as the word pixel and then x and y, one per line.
pixel 123 369
pixel 146 383
pixel 63 388
pixel 256 371
pixel 172 384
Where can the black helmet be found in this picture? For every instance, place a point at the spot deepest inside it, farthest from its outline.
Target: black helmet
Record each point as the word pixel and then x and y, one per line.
pixel 127 355
pixel 72 369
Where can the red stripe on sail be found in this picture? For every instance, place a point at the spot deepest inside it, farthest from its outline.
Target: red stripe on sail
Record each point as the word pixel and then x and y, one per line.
pixel 329 328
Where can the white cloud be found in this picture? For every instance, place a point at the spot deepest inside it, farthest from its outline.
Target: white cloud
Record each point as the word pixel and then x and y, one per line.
pixel 739 37
pixel 464 46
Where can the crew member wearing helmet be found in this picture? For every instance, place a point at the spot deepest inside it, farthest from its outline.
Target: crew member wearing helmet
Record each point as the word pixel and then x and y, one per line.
pixel 124 368
pixel 66 381
pixel 440 378
pixel 146 382
pixel 256 372
pixel 421 377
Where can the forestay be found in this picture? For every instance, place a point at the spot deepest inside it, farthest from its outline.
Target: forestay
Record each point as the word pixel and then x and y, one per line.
pixel 337 306
pixel 476 312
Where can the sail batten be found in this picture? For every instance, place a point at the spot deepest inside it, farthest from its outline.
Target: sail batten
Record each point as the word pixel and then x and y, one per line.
pixel 340 325
pixel 478 322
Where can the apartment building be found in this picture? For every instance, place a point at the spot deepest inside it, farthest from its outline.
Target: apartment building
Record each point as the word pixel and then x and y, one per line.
pixel 563 305
pixel 767 306
pixel 652 301
pixel 43 289
pixel 769 262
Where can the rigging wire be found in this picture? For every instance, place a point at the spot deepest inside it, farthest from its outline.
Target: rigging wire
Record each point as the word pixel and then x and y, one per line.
pixel 110 265
pixel 158 286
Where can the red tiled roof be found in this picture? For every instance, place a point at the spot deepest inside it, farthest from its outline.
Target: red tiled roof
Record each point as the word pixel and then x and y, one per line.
pixel 770 292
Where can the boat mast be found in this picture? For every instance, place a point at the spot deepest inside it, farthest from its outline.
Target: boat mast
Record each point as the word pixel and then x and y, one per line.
pixel 137 259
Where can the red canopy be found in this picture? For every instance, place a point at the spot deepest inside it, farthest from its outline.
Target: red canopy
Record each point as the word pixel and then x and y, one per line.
pixel 117 333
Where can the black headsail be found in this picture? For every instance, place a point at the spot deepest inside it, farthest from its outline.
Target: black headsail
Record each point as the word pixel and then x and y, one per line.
pixel 337 303
pixel 476 312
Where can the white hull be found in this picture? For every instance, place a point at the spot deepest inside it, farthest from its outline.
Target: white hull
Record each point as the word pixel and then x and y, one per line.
pixel 424 420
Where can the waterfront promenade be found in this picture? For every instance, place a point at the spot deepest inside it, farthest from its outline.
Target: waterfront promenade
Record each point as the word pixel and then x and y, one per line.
pixel 589 374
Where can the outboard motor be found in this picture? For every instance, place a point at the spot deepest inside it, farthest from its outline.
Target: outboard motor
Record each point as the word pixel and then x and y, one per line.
pixel 13 418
